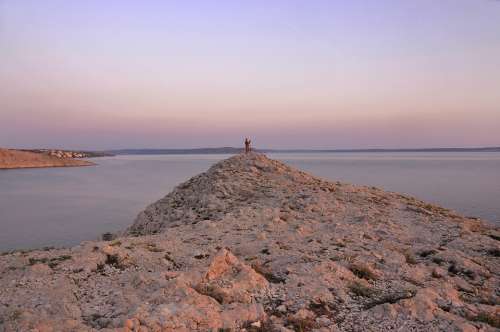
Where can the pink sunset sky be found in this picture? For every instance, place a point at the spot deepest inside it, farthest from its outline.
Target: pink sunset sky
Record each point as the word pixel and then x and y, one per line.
pixel 289 74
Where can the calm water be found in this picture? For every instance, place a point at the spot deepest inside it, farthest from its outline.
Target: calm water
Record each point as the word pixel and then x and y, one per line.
pixel 63 206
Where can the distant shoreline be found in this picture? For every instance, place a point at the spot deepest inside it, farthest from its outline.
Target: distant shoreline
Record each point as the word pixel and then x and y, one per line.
pixel 233 150
pixel 76 154
pixel 17 159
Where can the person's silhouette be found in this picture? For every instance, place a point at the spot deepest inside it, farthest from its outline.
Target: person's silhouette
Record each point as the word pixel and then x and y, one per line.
pixel 247 145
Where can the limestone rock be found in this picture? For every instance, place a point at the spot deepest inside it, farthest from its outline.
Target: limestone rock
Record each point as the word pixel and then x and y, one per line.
pixel 228 280
pixel 253 244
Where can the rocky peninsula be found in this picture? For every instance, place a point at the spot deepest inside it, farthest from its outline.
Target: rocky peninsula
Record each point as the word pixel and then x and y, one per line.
pixel 28 159
pixel 72 153
pixel 255 245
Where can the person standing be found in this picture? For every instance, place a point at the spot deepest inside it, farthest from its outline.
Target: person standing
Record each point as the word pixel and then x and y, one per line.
pixel 247 145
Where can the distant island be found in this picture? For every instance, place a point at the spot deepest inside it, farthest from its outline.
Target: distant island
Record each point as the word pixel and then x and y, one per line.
pixel 233 150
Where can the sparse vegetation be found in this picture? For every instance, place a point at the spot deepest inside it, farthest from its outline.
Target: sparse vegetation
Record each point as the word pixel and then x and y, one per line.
pixel 495 252
pixel 15 315
pixel 302 324
pixel 488 318
pixel 321 308
pixel 100 267
pixel 437 260
pixel 113 260
pixel 456 270
pixel 55 261
pixel 52 262
pixel 425 253
pixel 410 257
pixel 339 244
pixel 391 297
pixel 359 289
pixel 265 326
pixel 268 274
pixel 494 237
pixel 453 269
pixel 171 260
pixel 363 271
pixel 211 291
pixel 33 261
pixel 153 248
pixel 201 256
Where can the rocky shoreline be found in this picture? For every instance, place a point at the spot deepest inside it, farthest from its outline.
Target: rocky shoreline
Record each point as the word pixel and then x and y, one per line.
pixel 255 245
pixel 71 153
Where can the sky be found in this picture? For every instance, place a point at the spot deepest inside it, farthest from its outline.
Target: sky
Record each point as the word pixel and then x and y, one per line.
pixel 289 74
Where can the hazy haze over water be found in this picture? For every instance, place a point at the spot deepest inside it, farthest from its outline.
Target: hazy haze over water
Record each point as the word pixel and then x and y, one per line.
pixel 63 206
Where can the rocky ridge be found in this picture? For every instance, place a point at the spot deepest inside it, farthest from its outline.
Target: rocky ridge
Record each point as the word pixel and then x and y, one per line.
pixel 253 244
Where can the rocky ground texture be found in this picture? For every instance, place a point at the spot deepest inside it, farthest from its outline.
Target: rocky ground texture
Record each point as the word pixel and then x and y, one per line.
pixel 255 245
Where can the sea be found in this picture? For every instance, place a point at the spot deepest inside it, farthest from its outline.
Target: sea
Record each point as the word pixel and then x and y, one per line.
pixel 60 207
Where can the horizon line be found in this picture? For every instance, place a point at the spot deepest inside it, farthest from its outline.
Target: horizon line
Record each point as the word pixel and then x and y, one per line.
pixel 231 148
pixel 234 148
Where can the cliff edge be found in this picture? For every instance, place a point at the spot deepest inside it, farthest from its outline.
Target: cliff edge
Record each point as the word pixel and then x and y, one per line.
pixel 253 244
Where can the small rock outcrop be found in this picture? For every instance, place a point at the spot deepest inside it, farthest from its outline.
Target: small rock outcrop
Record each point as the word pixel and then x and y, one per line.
pixel 255 245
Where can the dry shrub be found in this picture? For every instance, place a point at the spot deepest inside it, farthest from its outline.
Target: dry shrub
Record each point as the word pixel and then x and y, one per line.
pixel 268 274
pixel 363 271
pixel 303 324
pixel 488 318
pixel 410 257
pixel 359 289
